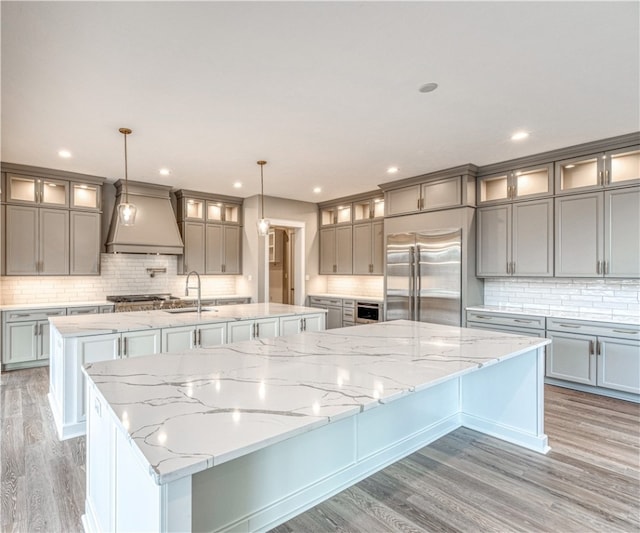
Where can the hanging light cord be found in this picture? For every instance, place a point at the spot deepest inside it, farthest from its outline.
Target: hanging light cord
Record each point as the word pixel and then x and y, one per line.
pixel 126 174
pixel 262 164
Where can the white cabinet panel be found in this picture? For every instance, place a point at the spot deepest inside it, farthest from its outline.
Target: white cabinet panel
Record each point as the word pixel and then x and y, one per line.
pixel 619 364
pixel 572 357
pixel 178 339
pixel 136 343
pixel 212 335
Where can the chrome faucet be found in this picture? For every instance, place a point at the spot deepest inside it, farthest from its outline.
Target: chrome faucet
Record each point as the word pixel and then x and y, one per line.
pixel 186 289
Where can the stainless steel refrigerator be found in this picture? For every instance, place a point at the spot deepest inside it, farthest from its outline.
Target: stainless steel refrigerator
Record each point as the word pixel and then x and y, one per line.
pixel 423 276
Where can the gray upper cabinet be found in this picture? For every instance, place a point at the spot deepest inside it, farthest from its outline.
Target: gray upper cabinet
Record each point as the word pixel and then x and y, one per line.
pixel 579 235
pixel 34 190
pixel 404 200
pixel 84 254
pixel 211 231
pixel 432 195
pixel 622 233
pixel 598 234
pixel 516 239
pixel 336 250
pixel 37 241
pixel 518 184
pixel 368 242
pixel 193 234
pixel 604 169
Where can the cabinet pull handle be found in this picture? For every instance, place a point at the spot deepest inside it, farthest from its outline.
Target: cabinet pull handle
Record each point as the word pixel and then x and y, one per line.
pixel 606 267
pixel 419 203
pixel 257 330
pixel 484 317
pixel 600 182
pixel 195 339
pixel 513 267
pixel 626 331
pixel 598 267
pixel 200 338
pixel 119 347
pixel 590 347
pixel 124 347
pixel 20 315
pixel 522 321
pixel 606 177
pixel 568 325
pixel 598 348
pixel 35 330
pixel 508 267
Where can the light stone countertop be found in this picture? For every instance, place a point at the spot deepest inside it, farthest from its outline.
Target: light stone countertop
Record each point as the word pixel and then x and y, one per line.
pixel 52 305
pixel 608 317
pixel 80 326
pixel 186 412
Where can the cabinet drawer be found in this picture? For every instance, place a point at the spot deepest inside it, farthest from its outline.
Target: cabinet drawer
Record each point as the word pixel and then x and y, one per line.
pixel 519 321
pixel 92 310
pixel 507 329
pixel 325 301
pixel 618 331
pixel 349 303
pixel 33 314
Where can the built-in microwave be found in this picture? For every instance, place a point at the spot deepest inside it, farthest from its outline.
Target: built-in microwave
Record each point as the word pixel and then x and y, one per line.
pixel 367 312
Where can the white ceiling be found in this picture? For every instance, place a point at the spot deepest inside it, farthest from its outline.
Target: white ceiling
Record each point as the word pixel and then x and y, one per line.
pixel 326 92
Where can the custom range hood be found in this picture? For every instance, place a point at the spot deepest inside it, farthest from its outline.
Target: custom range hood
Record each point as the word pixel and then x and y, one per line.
pixel 155 230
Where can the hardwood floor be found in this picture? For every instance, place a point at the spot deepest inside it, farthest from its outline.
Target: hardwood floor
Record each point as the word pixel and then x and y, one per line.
pixel 465 481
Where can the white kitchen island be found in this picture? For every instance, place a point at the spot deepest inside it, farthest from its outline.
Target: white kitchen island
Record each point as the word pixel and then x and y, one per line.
pixel 243 437
pixel 78 340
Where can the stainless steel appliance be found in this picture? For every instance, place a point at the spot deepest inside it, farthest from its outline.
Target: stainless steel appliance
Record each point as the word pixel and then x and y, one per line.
pixel 423 277
pixel 367 312
pixel 146 302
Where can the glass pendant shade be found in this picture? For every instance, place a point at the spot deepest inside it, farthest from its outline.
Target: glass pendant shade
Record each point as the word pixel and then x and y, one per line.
pixel 263 227
pixel 127 214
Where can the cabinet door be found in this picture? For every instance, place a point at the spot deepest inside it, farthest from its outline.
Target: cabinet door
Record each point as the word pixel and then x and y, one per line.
pixel 532 245
pixel 212 335
pixel 377 247
pixel 21 342
pixel 21 240
pixel 22 189
pixel 344 250
pixel 84 258
pixel 532 181
pixel 44 341
pixel 334 317
pixel 91 350
pixel 178 339
pixel 214 249
pixel 232 249
pixel 327 250
pixel 619 364
pixel 362 249
pixel 405 200
pixel 579 174
pixel 623 166
pixel 442 193
pixel 54 242
pixel 494 188
pixel 54 192
pixel 290 325
pixel 579 235
pixel 572 358
pixel 194 239
pixel 314 322
pixel 136 343
pixel 622 233
pixel 240 331
pixel 267 328
pixel 494 240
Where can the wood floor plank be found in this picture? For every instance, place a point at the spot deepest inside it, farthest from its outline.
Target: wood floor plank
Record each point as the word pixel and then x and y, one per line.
pixel 465 481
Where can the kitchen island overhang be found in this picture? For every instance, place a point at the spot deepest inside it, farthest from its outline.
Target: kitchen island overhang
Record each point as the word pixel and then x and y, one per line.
pixel 245 436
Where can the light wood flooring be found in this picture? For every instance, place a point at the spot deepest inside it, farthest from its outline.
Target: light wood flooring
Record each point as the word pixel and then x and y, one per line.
pixel 465 481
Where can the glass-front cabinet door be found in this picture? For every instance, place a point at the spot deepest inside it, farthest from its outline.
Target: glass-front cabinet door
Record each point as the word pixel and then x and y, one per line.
pixel 194 209
pixel 368 209
pixel 31 190
pixel 339 214
pixel 517 184
pixel 494 188
pixel 607 169
pixel 85 196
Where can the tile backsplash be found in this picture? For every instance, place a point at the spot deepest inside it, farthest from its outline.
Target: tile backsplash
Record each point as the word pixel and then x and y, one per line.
pixel 614 297
pixel 120 274
pixel 356 285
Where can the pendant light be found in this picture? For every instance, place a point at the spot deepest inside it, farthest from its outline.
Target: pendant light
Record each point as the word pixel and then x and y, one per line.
pixel 263 223
pixel 126 211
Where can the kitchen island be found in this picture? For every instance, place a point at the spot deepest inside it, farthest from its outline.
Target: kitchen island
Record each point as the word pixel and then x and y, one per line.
pixel 77 340
pixel 243 437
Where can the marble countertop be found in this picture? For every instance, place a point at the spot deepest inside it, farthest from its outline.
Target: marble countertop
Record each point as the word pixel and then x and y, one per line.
pixel 609 317
pixel 186 412
pixel 79 326
pixel 52 305
pixel 347 297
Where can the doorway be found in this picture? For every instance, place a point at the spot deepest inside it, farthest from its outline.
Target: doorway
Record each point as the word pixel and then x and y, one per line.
pixel 281 245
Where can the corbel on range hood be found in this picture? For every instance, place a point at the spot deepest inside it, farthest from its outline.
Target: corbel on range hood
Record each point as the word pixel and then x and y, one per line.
pixel 155 231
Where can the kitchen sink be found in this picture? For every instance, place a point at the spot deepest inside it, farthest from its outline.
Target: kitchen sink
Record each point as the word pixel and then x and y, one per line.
pixel 186 310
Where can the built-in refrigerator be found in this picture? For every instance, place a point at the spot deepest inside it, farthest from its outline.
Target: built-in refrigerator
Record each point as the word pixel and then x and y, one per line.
pixel 423 277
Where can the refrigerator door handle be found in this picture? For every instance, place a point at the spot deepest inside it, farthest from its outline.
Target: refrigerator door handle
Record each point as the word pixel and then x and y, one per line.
pixel 412 282
pixel 418 294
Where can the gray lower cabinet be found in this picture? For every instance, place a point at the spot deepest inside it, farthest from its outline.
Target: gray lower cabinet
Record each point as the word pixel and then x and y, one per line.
pixel 26 337
pixel 85 243
pixel 368 248
pixel 333 307
pixel 336 250
pixel 516 239
pixel 595 354
pixel 37 241
pixel 598 234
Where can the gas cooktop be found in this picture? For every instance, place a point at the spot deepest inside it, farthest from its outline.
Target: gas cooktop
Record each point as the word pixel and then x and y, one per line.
pixel 127 298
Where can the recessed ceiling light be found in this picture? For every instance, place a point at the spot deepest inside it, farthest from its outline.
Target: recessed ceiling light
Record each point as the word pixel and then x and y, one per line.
pixel 237 185
pixel 165 172
pixel 317 190
pixel 392 170
pixel 519 135
pixel 64 153
pixel 428 87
